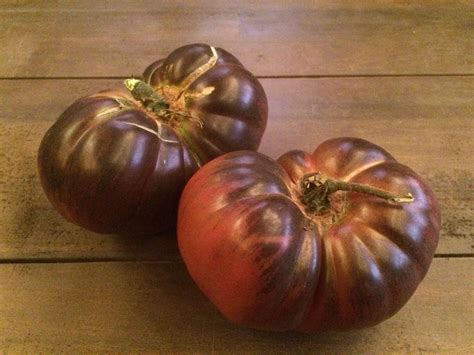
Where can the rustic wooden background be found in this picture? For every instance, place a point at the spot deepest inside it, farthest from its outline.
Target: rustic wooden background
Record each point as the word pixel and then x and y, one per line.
pixel 397 73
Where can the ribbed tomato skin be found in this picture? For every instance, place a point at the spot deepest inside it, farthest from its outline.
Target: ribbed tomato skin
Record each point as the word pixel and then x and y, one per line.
pixel 252 248
pixel 110 165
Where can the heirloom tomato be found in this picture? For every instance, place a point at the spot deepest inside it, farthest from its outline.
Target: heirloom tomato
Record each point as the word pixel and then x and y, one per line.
pixel 117 161
pixel 336 239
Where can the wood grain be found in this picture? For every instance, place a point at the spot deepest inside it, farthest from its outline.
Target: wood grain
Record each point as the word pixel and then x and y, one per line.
pixel 89 38
pixel 423 119
pixel 137 307
pixel 426 123
pixel 375 71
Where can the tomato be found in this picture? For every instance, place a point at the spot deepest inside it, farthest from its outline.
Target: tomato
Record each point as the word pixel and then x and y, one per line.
pixel 336 239
pixel 117 161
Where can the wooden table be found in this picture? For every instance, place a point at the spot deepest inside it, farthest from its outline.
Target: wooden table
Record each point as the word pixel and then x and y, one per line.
pixel 398 74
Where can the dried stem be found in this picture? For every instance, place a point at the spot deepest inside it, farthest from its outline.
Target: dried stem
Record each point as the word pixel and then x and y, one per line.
pixel 316 190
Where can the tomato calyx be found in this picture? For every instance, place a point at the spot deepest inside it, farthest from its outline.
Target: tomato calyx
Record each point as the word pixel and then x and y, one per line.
pixel 316 190
pixel 167 102
pixel 156 105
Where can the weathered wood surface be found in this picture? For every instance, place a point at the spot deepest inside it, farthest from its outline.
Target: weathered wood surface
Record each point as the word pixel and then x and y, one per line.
pixel 425 122
pixel 398 73
pixel 138 307
pixel 95 38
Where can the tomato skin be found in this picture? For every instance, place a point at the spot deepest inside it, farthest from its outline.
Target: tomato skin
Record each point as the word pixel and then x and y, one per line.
pixel 111 165
pixel 265 262
pixel 235 113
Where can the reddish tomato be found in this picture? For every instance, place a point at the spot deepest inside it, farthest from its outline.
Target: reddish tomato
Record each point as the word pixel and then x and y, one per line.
pixel 117 161
pixel 276 246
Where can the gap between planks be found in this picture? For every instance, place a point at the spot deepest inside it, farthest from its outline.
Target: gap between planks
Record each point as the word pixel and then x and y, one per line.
pixel 136 260
pixel 308 76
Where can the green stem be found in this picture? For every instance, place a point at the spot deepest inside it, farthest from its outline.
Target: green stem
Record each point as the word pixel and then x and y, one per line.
pixel 144 93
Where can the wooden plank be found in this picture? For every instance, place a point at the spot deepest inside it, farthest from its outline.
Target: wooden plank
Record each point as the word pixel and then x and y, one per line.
pixel 89 38
pixel 137 307
pixel 141 5
pixel 425 122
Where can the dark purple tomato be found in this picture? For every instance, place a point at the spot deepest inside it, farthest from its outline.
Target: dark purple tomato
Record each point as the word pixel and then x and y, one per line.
pixel 117 161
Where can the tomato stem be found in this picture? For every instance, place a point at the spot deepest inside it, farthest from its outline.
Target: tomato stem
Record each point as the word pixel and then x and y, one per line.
pixel 168 102
pixel 153 102
pixel 144 93
pixel 316 190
